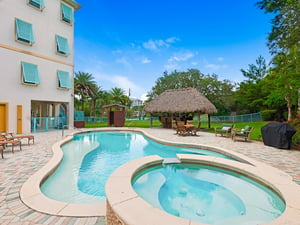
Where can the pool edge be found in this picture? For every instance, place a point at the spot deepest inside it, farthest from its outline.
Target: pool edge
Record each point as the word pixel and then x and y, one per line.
pixel 118 209
pixel 31 195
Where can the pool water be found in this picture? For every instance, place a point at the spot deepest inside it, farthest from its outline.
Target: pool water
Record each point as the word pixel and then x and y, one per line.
pixel 90 158
pixel 208 195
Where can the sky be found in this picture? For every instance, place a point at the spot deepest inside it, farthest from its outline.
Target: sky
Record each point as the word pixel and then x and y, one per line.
pixel 130 44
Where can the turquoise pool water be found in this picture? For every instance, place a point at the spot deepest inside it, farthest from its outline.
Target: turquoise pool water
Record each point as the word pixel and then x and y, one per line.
pixel 208 195
pixel 90 158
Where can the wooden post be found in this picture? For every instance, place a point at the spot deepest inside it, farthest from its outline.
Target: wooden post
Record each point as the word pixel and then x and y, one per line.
pixel 150 120
pixel 208 120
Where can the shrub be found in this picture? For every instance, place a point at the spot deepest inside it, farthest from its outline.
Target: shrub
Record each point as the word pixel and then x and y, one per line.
pixel 296 125
pixel 268 115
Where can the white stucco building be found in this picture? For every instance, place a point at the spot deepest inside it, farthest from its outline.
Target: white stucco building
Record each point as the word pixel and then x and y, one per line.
pixel 37 64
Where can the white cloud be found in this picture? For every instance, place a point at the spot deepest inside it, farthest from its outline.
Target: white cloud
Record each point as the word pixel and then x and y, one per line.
pixel 144 97
pixel 172 40
pixel 145 60
pixel 177 57
pixel 155 45
pixel 220 59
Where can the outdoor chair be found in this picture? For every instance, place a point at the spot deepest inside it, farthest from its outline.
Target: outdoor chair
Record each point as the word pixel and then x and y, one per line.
pixel 174 124
pixel 20 137
pixel 225 129
pixel 4 142
pixel 242 133
pixel 180 130
pixel 196 129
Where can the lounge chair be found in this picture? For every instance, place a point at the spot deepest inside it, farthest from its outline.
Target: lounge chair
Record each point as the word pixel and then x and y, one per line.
pixel 4 142
pixel 225 129
pixel 20 137
pixel 242 133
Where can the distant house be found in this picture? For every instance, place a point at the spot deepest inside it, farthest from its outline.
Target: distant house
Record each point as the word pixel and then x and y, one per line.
pixel 37 64
pixel 136 102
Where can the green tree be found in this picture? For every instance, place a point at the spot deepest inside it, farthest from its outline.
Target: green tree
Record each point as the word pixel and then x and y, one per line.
pixel 284 82
pixel 284 44
pixel 251 94
pixel 285 25
pixel 118 96
pixel 84 86
pixel 218 92
pixel 95 96
pixel 256 72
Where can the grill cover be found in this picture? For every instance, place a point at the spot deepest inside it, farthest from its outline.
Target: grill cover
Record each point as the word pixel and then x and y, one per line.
pixel 278 135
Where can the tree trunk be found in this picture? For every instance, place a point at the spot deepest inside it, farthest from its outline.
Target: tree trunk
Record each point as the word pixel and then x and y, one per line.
pixel 289 107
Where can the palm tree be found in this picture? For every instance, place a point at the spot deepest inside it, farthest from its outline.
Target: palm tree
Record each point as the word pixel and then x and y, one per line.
pixel 84 86
pixel 117 95
pixel 96 95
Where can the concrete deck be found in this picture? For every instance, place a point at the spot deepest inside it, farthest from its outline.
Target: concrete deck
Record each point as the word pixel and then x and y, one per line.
pixel 18 167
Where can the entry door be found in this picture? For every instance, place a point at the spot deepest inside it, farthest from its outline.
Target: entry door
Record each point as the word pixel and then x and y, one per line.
pixel 3 118
pixel 19 119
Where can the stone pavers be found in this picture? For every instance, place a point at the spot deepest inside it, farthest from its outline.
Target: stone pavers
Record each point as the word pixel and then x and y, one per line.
pixel 18 167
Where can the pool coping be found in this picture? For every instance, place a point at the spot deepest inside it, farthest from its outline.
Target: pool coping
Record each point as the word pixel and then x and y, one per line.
pixel 121 196
pixel 31 195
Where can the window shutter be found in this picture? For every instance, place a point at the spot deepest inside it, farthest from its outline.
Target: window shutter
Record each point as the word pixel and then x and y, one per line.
pixel 62 45
pixel 67 13
pixel 64 79
pixel 24 31
pixel 37 3
pixel 30 73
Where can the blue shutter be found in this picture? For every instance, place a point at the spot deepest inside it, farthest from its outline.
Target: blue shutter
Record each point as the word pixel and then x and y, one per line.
pixel 67 13
pixel 24 31
pixel 62 45
pixel 37 3
pixel 64 80
pixel 30 73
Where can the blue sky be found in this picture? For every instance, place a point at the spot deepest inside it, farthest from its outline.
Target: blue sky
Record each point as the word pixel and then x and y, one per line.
pixel 129 44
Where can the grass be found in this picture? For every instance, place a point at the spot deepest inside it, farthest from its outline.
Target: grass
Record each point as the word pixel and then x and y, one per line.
pixel 255 135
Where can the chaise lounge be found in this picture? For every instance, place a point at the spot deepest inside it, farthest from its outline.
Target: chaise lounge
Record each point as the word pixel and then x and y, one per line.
pixel 225 129
pixel 242 133
pixel 20 137
pixel 4 142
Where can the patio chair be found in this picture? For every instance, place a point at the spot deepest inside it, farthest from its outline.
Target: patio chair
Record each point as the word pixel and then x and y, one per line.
pixel 242 133
pixel 20 137
pixel 196 129
pixel 4 142
pixel 180 130
pixel 225 129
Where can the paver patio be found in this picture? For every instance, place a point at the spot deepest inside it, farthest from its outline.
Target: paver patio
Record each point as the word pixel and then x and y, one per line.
pixel 18 167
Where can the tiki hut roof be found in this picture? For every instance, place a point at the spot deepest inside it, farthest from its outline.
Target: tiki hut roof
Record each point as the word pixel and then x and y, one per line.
pixel 180 101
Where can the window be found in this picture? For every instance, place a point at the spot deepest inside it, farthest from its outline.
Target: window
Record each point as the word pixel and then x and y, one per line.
pixel 66 13
pixel 64 80
pixel 30 73
pixel 39 4
pixel 62 46
pixel 24 32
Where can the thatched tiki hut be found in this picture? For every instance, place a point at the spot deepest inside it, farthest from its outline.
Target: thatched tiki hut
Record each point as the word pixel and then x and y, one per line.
pixel 187 100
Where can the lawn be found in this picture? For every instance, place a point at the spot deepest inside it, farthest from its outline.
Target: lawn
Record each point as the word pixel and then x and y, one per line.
pixel 255 135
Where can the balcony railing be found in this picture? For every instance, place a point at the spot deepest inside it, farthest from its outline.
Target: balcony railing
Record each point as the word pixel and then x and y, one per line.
pixel 40 124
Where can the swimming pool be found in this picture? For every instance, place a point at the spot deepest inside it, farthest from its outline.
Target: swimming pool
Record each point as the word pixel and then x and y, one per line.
pixel 91 157
pixel 207 194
